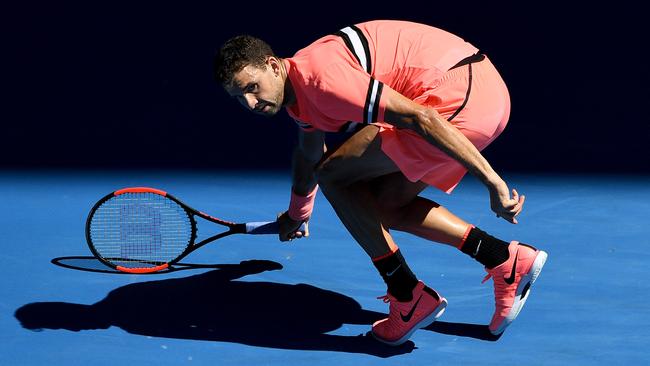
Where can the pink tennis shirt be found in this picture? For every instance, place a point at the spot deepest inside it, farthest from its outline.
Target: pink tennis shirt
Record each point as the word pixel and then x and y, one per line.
pixel 338 82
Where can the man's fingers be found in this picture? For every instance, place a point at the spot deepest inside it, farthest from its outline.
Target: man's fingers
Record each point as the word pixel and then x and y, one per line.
pixel 515 202
pixel 516 210
pixel 512 207
pixel 510 218
pixel 300 234
pixel 520 205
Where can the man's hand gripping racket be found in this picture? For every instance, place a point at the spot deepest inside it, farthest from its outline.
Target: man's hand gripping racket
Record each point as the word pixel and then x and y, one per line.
pixel 145 230
pixel 290 229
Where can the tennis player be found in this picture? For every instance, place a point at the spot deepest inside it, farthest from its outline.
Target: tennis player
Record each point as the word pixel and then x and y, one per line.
pixel 423 103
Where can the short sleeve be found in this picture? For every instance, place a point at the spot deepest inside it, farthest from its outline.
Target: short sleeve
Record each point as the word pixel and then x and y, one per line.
pixel 350 94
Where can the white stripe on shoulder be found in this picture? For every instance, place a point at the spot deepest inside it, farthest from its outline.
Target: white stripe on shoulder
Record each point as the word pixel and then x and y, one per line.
pixel 358 46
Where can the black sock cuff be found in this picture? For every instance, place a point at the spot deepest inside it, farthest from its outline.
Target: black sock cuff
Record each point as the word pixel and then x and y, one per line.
pixel 485 248
pixel 475 235
pixel 389 262
pixel 398 276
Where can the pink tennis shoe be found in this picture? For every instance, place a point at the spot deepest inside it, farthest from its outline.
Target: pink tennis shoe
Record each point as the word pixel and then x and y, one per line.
pixel 405 318
pixel 512 281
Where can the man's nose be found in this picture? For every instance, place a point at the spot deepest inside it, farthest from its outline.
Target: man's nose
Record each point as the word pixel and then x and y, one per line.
pixel 251 101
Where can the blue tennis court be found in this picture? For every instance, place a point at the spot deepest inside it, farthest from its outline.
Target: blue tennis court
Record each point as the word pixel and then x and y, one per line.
pixel 257 301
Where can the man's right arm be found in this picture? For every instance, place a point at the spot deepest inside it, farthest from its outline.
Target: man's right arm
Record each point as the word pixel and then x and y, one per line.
pixel 310 150
pixel 308 153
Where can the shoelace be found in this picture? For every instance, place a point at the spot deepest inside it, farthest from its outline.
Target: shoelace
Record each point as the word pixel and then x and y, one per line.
pixel 500 288
pixel 392 324
pixel 386 298
pixel 396 306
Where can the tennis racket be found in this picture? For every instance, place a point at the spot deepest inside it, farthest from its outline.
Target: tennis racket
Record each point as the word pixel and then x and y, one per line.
pixel 145 230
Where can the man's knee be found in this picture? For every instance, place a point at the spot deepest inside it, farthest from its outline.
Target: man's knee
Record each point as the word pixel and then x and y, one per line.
pixel 328 173
pixel 394 191
pixel 359 158
pixel 393 194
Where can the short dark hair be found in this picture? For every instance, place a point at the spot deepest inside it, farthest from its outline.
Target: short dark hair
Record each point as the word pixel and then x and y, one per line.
pixel 237 53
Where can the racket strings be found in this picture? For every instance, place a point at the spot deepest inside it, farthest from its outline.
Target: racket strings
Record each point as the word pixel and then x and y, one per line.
pixel 140 230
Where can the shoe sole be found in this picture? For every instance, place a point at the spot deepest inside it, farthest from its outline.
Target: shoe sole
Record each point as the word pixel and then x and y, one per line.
pixel 523 290
pixel 425 322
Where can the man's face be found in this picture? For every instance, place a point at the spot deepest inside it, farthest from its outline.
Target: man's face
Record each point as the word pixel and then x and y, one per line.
pixel 260 90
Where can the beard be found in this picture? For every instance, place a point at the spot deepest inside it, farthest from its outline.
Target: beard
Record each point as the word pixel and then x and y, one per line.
pixel 270 108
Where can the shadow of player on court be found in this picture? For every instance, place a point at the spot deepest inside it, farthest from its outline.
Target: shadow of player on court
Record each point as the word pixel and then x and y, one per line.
pixel 477 331
pixel 212 306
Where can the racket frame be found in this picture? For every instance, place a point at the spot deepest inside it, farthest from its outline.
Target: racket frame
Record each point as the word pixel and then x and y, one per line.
pixel 233 228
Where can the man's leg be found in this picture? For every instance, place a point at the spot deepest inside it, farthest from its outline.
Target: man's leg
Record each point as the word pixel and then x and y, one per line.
pixel 402 209
pixel 371 196
pixel 513 266
pixel 346 177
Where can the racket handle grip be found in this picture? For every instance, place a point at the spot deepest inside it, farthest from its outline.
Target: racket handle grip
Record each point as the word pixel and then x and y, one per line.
pixel 267 227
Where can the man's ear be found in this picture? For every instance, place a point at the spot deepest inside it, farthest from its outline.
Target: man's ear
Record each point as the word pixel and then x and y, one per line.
pixel 274 64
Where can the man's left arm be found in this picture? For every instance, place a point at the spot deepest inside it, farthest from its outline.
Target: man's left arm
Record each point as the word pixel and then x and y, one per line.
pixel 428 123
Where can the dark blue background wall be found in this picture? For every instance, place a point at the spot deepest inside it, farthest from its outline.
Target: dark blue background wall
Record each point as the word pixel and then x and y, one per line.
pixel 130 85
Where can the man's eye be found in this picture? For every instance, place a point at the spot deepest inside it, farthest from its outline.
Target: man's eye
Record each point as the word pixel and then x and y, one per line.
pixel 251 88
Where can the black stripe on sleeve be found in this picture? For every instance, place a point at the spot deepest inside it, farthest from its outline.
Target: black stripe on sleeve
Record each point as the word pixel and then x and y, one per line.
pixel 367 104
pixel 375 111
